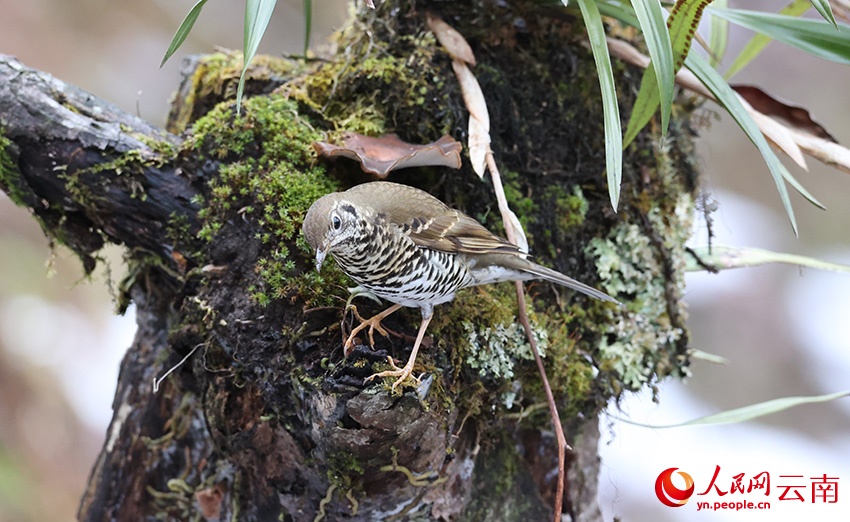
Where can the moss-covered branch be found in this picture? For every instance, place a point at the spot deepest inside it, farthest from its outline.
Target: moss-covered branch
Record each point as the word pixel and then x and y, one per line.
pixel 89 172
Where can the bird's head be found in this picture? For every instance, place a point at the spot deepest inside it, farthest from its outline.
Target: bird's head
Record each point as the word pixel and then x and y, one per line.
pixel 330 225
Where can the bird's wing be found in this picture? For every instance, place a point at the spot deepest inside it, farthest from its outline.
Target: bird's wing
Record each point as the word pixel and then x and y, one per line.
pixel 454 231
pixel 431 223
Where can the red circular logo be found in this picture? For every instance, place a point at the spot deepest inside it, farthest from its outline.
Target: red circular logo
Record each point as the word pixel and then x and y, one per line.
pixel 669 494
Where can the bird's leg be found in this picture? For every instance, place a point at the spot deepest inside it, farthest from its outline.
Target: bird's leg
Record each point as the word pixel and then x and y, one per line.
pixel 374 323
pixel 404 373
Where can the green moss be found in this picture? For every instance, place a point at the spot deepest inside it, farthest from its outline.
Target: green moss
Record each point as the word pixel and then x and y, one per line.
pixel 162 147
pixel 570 208
pixel 490 346
pixel 271 178
pixel 523 205
pixel 216 77
pixel 344 470
pixel 370 95
pixel 10 176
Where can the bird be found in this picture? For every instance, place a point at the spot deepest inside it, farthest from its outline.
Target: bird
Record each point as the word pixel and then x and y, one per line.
pixel 403 245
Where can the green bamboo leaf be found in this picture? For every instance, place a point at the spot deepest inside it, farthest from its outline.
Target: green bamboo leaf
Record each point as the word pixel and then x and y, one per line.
pixel 183 31
pixel 825 11
pixel 657 40
pixel 815 37
pixel 646 103
pixel 729 100
pixel 719 38
pixel 723 257
pixel 308 24
pixel 758 42
pixel 610 109
pixel 750 412
pixel 683 21
pixel 257 16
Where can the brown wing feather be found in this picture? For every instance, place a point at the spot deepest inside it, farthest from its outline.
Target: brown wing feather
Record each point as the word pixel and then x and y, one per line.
pixel 428 221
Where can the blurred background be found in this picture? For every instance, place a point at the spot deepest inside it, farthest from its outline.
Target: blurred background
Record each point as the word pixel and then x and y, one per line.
pixel 784 330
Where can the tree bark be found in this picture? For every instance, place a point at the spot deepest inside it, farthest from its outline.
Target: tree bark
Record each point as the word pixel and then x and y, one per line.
pixel 266 420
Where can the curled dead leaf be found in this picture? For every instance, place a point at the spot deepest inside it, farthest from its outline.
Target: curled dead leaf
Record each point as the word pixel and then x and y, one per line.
pixel 791 115
pixel 473 98
pixel 453 42
pixel 479 146
pixel 386 153
pixel 520 238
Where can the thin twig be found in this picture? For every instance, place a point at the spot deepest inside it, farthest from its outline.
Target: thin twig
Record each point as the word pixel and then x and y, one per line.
pixel 563 447
pixel 158 381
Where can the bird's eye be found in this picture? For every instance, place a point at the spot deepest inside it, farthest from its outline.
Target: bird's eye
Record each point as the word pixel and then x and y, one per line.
pixel 336 222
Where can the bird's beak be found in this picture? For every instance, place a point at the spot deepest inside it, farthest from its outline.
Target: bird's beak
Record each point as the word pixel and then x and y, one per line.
pixel 321 252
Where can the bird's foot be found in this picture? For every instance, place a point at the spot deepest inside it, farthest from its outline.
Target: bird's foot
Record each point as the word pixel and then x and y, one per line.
pixel 374 323
pixel 401 373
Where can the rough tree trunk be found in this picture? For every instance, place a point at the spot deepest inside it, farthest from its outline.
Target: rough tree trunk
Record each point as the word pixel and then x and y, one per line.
pixel 266 420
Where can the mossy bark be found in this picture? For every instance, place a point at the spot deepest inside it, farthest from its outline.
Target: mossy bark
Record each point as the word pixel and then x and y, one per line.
pixel 267 420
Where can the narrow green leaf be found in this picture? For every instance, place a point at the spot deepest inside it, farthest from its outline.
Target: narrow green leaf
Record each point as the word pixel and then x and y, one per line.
pixel 825 11
pixel 719 38
pixel 683 20
pixel 657 39
pixel 750 412
pixel 257 16
pixel 816 37
pixel 722 257
pixel 183 31
pixel 618 11
pixel 646 103
pixel 610 109
pixel 308 24
pixel 758 42
pixel 729 100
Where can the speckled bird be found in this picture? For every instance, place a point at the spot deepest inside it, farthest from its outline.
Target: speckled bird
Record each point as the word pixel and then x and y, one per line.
pixel 406 246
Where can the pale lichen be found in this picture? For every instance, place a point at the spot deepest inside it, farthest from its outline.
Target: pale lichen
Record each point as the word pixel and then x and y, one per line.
pixel 494 350
pixel 629 264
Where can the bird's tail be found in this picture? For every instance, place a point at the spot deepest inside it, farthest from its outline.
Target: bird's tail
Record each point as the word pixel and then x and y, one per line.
pixel 552 276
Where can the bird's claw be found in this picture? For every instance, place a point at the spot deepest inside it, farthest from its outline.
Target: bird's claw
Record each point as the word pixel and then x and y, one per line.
pixel 374 323
pixel 401 373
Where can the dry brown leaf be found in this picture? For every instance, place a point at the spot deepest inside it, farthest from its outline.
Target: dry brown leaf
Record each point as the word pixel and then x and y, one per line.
pixel 791 115
pixel 384 154
pixel 828 152
pixel 479 146
pixel 473 98
pixel 454 42
pixel 521 238
pixel 777 134
pixel 479 117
